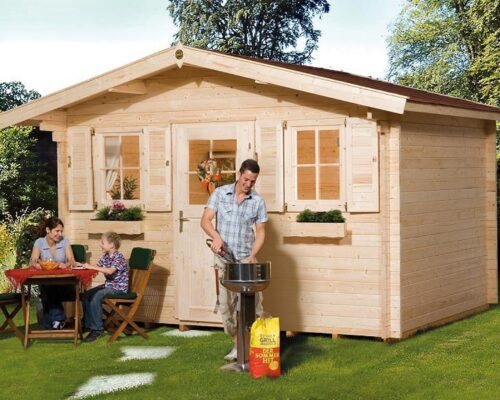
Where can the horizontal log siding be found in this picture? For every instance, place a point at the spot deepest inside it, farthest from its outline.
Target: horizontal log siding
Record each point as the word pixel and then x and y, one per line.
pixel 443 212
pixel 325 285
pixel 319 285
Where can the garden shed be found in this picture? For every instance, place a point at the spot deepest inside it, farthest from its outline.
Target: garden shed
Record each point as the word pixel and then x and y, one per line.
pixel 413 173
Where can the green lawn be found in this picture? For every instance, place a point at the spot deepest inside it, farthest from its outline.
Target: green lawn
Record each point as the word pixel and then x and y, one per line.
pixel 457 361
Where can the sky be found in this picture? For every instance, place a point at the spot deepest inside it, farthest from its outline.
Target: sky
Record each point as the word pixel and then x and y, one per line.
pixel 51 44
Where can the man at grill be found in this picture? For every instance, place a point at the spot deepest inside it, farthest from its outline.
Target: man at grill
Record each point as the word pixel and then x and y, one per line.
pixel 238 209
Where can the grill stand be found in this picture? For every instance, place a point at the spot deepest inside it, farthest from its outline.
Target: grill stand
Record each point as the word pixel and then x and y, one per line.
pixel 246 317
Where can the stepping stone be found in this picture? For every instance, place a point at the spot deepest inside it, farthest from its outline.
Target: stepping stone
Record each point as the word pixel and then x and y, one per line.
pixel 145 352
pixel 187 334
pixel 112 383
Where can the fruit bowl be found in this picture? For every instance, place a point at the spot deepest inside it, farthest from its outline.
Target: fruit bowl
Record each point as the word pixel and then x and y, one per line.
pixel 48 264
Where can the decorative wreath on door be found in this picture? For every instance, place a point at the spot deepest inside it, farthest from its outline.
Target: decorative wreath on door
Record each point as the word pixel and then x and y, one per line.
pixel 209 174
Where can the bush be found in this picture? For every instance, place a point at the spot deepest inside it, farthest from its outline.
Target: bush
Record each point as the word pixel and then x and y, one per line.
pixel 17 235
pixel 332 216
pixel 24 181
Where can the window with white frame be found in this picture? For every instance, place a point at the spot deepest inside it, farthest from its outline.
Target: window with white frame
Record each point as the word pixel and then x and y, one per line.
pixel 315 168
pixel 120 169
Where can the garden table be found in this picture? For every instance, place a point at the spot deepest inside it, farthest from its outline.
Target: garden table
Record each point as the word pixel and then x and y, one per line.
pixel 26 277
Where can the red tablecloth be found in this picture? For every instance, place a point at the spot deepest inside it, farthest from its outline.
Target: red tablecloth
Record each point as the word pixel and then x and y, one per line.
pixel 19 276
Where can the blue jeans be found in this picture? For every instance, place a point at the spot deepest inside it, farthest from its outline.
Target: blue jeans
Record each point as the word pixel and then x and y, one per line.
pixel 52 297
pixel 92 306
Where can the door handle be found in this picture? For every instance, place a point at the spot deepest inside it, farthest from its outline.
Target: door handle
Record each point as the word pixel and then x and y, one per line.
pixel 182 219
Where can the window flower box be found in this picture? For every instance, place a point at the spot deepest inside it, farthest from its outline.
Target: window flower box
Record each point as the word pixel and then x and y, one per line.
pixel 119 219
pixel 120 227
pixel 316 229
pixel 326 224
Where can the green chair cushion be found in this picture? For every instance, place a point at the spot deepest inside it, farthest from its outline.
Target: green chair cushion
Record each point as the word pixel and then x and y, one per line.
pixel 140 258
pixel 79 252
pixel 121 296
pixel 10 296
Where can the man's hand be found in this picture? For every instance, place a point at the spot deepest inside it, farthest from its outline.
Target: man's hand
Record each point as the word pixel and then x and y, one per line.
pixel 217 244
pixel 251 259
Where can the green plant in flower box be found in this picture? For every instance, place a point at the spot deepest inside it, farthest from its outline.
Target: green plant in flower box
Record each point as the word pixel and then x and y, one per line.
pixel 332 216
pixel 118 212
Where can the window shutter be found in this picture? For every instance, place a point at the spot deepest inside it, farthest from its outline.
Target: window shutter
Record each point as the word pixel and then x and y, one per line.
pixel 269 149
pixel 157 163
pixel 362 166
pixel 80 173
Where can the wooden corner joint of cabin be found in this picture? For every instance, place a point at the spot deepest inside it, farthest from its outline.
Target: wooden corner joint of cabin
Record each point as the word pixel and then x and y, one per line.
pixel 137 86
pixel 54 121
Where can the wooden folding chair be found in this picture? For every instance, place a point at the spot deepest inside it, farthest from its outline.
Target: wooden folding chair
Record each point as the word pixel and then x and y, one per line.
pixel 7 299
pixel 124 306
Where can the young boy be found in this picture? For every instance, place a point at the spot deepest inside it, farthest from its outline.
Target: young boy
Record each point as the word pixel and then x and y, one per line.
pixel 114 267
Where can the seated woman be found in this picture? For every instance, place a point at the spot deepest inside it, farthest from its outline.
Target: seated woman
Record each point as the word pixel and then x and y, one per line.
pixel 53 246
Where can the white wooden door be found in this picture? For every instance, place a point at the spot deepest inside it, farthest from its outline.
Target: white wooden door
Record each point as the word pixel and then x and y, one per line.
pixel 228 144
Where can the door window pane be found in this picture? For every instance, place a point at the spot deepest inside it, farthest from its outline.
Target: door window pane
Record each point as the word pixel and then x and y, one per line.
pixel 224 153
pixel 198 191
pixel 199 150
pixel 211 163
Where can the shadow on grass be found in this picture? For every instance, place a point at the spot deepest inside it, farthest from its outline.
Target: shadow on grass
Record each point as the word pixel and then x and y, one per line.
pixel 296 351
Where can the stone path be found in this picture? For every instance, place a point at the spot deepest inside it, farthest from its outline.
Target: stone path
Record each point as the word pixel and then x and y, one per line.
pixel 187 334
pixel 111 383
pixel 145 352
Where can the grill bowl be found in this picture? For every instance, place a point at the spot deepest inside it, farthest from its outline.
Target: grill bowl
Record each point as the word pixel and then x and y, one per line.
pixel 246 277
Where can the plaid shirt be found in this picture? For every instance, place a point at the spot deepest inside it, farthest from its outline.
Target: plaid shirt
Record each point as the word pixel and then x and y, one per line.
pixel 235 221
pixel 119 279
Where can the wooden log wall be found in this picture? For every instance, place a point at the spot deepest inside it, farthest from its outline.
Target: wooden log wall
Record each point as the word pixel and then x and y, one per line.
pixel 335 286
pixel 445 242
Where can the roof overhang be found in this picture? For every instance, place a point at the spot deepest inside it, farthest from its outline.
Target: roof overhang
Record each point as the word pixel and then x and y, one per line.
pixel 129 79
pixel 126 78
pixel 451 111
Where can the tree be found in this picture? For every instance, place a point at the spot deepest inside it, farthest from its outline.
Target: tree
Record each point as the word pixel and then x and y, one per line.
pixel 24 181
pixel 13 94
pixel 448 46
pixel 269 29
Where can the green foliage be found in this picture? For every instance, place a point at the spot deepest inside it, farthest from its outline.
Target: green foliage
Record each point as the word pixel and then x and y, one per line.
pixel 13 94
pixel 132 214
pixel 17 235
pixel 7 257
pixel 259 28
pixel 448 46
pixel 129 187
pixel 24 181
pixel 110 213
pixel 103 213
pixel 332 216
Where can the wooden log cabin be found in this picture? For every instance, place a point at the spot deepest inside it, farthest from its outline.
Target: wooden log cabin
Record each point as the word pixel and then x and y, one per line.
pixel 413 172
